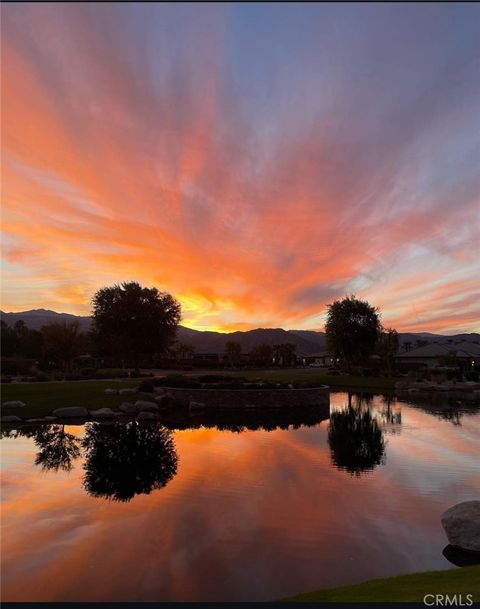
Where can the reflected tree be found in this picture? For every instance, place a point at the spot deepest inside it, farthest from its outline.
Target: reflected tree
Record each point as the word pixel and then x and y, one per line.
pixel 355 439
pixel 390 415
pixel 124 460
pixel 57 448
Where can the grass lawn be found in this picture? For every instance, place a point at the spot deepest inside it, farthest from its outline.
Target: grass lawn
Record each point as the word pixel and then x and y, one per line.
pixel 414 587
pixel 320 376
pixel 42 398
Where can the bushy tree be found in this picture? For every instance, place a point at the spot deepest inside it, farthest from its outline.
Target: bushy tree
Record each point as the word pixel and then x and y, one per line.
pixel 262 354
pixel 285 354
pixel 233 351
pixel 62 342
pixel 132 320
pixel 9 340
pixel 181 351
pixel 387 348
pixel 352 329
pixel 21 341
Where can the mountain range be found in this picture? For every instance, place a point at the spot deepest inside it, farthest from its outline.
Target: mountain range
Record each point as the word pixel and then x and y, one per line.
pixel 205 341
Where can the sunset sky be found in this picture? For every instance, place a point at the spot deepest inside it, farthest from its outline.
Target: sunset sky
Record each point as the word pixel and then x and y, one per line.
pixel 256 161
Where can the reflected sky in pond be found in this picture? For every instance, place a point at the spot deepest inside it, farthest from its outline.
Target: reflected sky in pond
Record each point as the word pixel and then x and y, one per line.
pixel 242 514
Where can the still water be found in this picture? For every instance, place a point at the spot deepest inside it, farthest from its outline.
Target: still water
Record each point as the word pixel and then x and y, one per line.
pixel 254 507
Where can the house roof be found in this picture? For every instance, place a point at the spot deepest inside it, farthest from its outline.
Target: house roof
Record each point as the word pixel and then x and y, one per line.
pixel 463 349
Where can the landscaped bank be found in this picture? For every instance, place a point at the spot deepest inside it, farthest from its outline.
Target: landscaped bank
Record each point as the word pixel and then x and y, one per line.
pixel 42 398
pixel 404 588
pixel 252 398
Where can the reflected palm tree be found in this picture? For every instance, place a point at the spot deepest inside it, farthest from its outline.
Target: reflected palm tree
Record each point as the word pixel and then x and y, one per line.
pixel 58 449
pixel 127 459
pixel 389 415
pixel 355 439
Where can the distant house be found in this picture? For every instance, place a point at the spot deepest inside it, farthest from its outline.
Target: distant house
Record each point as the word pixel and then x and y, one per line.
pixel 464 355
pixel 322 358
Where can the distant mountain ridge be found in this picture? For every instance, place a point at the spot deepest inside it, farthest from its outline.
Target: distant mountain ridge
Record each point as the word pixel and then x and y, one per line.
pixel 207 341
pixel 36 318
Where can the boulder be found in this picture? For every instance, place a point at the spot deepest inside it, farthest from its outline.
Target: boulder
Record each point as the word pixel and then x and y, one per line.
pixel 146 416
pixel 104 413
pixel 111 391
pixel 71 412
pixel 196 406
pixel 11 419
pixel 127 391
pixel 128 408
pixel 144 406
pixel 462 525
pixel 13 404
pixel 164 401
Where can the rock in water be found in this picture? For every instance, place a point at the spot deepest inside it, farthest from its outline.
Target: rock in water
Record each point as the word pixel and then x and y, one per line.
pixel 128 408
pixel 462 525
pixel 164 401
pixel 71 411
pixel 146 416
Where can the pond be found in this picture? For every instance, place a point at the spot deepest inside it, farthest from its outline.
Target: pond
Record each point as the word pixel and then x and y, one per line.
pixel 255 507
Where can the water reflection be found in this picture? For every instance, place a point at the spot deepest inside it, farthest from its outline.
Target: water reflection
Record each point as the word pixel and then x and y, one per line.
pixel 391 414
pixel 127 459
pixel 239 420
pixel 355 437
pixel 248 516
pixel 58 448
pixel 450 406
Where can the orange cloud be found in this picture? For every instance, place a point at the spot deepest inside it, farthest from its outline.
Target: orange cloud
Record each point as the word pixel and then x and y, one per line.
pixel 116 167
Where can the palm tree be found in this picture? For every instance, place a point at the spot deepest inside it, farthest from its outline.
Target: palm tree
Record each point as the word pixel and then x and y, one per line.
pixel 233 351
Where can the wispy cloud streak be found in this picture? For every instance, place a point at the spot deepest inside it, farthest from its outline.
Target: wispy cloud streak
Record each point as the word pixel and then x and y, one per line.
pixel 185 146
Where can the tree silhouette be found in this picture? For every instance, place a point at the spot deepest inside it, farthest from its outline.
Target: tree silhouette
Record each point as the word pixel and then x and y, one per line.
pixel 285 354
pixel 262 354
pixel 352 329
pixel 356 440
pixel 127 459
pixel 62 342
pixel 134 321
pixel 181 351
pixel 233 351
pixel 387 348
pixel 57 448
